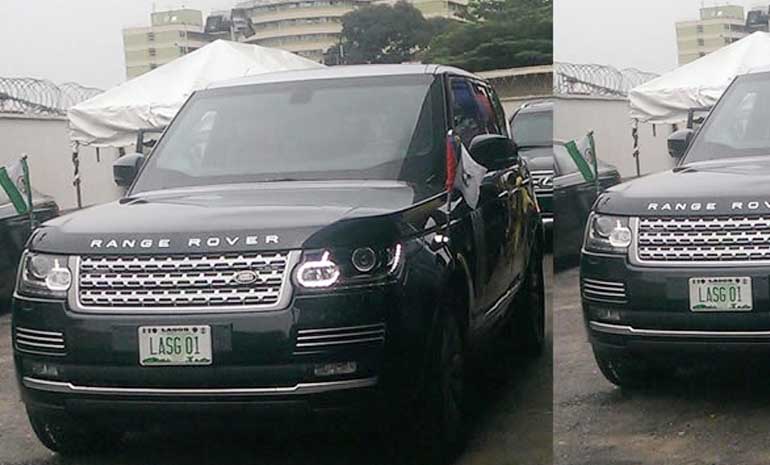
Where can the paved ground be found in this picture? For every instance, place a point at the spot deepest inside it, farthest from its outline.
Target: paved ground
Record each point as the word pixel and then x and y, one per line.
pixel 709 415
pixel 512 426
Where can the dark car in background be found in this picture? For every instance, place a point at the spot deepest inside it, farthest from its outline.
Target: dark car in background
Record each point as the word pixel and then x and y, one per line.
pixel 532 131
pixel 574 197
pixel 14 232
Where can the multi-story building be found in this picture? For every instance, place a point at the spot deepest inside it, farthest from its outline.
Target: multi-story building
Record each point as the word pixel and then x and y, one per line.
pixel 309 27
pixel 170 35
pixel 718 26
pixel 305 27
pixel 451 9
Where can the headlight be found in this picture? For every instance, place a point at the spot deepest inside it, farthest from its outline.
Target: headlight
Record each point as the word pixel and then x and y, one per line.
pixel 43 275
pixel 348 267
pixel 609 234
pixel 322 272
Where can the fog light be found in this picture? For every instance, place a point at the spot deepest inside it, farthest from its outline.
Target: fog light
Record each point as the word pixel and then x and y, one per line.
pixel 43 370
pixel 605 314
pixel 335 369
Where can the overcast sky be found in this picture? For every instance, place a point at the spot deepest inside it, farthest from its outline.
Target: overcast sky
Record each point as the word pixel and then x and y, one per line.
pixel 75 40
pixel 80 40
pixel 625 33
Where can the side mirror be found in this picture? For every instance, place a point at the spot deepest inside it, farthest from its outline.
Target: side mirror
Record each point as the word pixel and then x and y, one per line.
pixel 125 168
pixel 679 141
pixel 493 151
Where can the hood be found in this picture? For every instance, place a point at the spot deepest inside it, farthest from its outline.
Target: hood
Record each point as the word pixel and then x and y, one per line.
pixel 538 158
pixel 721 187
pixel 281 215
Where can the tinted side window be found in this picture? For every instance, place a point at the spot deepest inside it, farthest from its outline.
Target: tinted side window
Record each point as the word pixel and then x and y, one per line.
pixel 491 121
pixel 465 111
pixel 502 121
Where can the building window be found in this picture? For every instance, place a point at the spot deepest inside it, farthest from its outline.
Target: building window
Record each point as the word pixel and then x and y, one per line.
pixel 181 33
pixel 702 54
pixel 153 66
pixel 152 52
pixel 701 42
pixel 700 29
pixel 151 36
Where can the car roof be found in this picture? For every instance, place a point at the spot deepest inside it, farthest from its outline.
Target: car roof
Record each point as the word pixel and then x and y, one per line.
pixel 341 72
pixel 536 106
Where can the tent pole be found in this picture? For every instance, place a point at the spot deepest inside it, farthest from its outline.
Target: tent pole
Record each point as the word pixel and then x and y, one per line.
pixel 635 136
pixel 76 180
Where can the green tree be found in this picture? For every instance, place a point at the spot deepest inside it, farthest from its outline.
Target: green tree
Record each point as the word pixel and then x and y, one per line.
pixel 382 34
pixel 497 34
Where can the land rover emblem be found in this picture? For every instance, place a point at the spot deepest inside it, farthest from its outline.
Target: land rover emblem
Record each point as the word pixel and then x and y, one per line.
pixel 245 277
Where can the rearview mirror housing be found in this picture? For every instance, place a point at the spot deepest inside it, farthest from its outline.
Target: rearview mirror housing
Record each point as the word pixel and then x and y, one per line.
pixel 125 168
pixel 679 141
pixel 493 151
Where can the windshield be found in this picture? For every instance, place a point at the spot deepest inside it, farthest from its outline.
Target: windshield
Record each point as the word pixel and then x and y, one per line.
pixel 373 128
pixel 533 129
pixel 739 126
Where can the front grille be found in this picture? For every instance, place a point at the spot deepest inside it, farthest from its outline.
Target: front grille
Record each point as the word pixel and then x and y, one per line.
pixel 311 341
pixel 40 342
pixel 704 239
pixel 604 291
pixel 182 281
pixel 543 180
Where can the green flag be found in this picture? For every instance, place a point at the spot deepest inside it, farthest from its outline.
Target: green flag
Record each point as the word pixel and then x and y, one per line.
pixel 14 179
pixel 583 153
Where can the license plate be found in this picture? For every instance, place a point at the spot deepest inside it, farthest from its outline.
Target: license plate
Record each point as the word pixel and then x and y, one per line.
pixel 721 294
pixel 174 345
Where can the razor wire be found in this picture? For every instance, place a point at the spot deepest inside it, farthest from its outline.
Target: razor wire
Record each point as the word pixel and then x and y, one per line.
pixel 29 96
pixel 597 80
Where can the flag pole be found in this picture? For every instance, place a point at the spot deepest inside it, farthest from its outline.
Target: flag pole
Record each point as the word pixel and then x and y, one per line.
pixel 28 188
pixel 596 163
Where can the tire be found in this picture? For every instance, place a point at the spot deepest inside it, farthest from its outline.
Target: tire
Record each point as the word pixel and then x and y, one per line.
pixel 441 431
pixel 528 323
pixel 63 434
pixel 625 372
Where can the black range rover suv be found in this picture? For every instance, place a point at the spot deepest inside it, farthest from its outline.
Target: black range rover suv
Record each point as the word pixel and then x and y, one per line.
pixel 532 131
pixel 678 263
pixel 296 242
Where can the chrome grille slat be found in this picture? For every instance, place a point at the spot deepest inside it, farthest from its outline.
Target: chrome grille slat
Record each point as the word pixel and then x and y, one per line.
pixel 703 239
pixel 321 339
pixel 604 291
pixel 538 177
pixel 146 282
pixel 40 342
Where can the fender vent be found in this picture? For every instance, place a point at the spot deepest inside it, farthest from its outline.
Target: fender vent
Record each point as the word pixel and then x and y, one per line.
pixel 604 291
pixel 36 341
pixel 312 341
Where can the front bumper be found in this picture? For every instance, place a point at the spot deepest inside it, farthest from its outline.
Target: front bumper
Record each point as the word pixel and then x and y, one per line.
pixel 258 363
pixel 645 310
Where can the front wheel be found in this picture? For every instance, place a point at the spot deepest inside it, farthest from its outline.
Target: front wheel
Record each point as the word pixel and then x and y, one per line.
pixel 63 434
pixel 440 431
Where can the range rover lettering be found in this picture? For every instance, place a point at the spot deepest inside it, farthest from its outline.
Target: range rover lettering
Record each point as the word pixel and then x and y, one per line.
pixel 678 263
pixel 300 243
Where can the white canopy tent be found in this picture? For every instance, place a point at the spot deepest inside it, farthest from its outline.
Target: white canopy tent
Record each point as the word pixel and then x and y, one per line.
pixel 113 118
pixel 699 84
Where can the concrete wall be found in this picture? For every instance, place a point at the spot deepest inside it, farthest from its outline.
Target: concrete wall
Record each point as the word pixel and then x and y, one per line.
pixel 609 118
pixel 46 142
